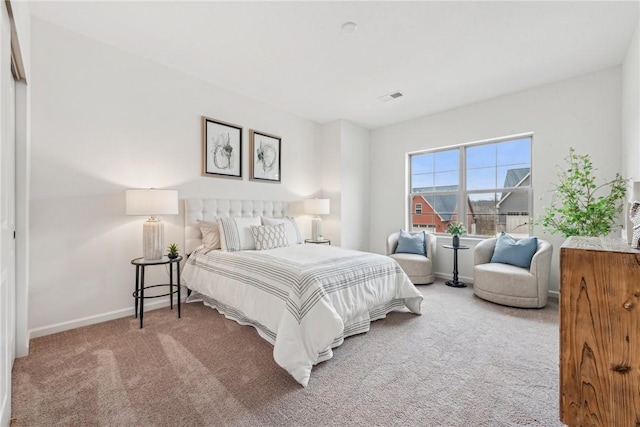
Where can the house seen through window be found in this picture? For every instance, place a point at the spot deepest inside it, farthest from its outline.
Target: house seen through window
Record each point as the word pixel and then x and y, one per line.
pixel 486 185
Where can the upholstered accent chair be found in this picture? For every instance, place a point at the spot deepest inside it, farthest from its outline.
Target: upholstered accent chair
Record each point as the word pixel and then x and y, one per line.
pixel 508 284
pixel 419 268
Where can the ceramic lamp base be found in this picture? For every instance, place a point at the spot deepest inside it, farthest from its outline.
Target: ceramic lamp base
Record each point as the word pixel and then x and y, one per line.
pixel 316 229
pixel 153 239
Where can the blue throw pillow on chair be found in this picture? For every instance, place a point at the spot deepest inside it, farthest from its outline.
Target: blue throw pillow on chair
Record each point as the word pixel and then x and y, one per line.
pixel 411 243
pixel 515 252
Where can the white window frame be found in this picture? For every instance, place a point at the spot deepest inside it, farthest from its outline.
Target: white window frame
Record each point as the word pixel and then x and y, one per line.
pixel 463 193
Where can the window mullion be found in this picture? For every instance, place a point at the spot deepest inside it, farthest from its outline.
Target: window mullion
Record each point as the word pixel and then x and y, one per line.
pixel 462 194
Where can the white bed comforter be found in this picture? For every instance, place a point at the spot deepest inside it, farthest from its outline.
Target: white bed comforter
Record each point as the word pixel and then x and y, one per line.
pixel 304 299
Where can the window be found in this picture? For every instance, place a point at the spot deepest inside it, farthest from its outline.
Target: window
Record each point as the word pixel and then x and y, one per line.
pixel 430 228
pixel 486 185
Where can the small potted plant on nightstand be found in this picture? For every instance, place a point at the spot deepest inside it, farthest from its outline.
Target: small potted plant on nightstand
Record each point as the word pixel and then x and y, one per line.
pixel 456 229
pixel 173 251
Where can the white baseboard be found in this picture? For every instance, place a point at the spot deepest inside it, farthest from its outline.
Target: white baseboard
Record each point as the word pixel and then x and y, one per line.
pixel 469 281
pixel 448 276
pixel 91 320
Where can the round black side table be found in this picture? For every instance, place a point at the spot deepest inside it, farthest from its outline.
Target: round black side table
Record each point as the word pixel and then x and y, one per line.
pixel 318 242
pixel 138 294
pixel 455 283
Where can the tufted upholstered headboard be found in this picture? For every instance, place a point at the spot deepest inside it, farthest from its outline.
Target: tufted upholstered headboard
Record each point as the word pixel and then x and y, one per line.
pixel 207 209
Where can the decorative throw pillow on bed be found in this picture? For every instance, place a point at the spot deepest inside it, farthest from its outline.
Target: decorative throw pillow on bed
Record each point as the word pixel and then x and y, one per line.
pixel 235 233
pixel 290 227
pixel 269 236
pixel 210 234
pixel 411 243
pixel 515 252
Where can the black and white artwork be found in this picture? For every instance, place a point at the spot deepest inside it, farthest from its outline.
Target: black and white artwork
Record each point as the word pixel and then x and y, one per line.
pixel 265 156
pixel 221 149
pixel 634 216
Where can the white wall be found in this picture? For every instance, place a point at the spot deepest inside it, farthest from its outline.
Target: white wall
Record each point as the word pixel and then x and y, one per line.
pixel 104 121
pixel 331 175
pixel 631 113
pixel 345 181
pixel 356 142
pixel 583 112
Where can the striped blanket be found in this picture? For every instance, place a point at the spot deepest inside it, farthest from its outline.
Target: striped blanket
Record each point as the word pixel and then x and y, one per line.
pixel 304 299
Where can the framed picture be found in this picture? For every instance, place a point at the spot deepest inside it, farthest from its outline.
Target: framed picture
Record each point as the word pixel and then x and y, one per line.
pixel 221 149
pixel 265 156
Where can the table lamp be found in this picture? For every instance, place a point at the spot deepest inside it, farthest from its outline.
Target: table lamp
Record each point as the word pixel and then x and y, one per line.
pixel 316 207
pixel 152 202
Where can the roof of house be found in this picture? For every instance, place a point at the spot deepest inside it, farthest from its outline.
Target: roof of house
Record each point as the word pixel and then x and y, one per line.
pixel 515 176
pixel 444 205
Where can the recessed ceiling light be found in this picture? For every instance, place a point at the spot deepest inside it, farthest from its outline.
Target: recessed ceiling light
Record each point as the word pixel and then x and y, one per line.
pixel 349 27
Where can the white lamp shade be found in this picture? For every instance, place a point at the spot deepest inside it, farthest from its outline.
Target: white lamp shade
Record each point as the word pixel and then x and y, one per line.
pixel 317 206
pixel 152 202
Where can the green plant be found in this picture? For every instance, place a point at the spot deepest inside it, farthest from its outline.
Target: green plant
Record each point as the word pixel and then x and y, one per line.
pixel 579 207
pixel 173 249
pixel 457 228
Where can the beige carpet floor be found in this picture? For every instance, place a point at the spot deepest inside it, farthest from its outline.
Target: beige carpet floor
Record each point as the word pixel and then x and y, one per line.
pixel 464 362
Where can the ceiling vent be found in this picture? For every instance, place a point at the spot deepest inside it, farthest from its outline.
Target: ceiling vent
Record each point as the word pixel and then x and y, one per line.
pixel 390 96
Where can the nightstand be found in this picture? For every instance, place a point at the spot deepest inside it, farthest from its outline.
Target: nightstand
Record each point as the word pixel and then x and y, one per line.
pixel 138 294
pixel 318 242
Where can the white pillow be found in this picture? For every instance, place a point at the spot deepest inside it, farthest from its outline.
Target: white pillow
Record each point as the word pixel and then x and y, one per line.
pixel 210 234
pixel 235 233
pixel 290 227
pixel 269 236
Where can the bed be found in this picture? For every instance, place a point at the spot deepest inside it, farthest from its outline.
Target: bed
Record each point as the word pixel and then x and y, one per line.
pixel 303 298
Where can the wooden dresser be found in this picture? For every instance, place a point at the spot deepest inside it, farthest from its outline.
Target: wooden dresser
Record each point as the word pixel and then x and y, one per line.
pixel 599 333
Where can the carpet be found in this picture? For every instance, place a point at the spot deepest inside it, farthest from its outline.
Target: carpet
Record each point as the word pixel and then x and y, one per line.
pixel 463 362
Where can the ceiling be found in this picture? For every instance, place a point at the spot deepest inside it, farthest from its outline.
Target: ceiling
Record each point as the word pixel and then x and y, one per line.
pixel 293 55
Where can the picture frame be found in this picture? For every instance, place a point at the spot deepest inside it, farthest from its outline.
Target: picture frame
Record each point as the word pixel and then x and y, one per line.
pixel 221 149
pixel 264 160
